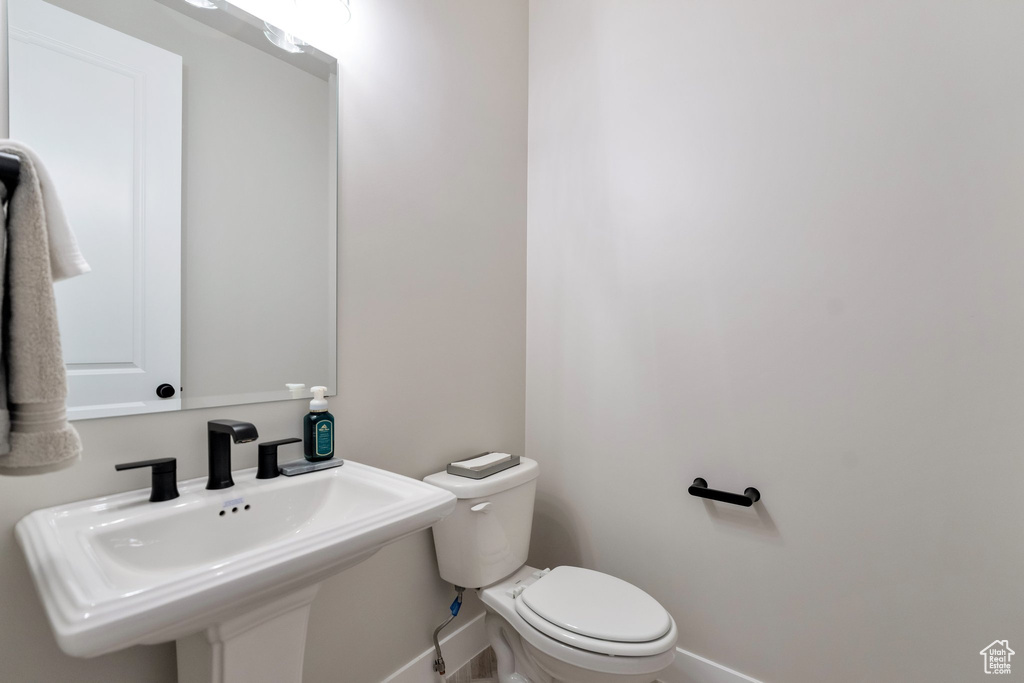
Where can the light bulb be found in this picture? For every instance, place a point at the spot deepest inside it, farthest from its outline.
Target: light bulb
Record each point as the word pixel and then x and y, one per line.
pixel 281 38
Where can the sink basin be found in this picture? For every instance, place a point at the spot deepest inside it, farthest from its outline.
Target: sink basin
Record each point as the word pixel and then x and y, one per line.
pixel 119 570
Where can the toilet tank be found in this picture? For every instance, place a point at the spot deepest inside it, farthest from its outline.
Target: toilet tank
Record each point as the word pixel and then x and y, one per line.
pixel 488 536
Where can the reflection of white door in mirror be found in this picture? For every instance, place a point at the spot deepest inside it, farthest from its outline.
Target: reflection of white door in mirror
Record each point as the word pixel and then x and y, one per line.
pixel 104 111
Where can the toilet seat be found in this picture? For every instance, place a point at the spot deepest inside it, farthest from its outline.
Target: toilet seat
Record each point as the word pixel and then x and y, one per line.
pixel 596 612
pixel 572 649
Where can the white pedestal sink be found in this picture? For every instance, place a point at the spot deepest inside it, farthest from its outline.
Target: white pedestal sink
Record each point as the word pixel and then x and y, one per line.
pixel 229 574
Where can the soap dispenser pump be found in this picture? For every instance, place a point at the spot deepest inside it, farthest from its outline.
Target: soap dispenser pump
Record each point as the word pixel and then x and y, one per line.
pixel 318 428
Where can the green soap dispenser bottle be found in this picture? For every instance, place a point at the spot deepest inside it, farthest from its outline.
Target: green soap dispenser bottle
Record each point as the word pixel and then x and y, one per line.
pixel 318 428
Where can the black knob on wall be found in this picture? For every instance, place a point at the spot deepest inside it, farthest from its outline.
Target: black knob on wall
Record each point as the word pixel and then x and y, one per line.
pixel 165 391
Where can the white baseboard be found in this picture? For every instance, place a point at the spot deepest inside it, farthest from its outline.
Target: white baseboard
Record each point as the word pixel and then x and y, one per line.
pixel 471 639
pixel 691 668
pixel 458 648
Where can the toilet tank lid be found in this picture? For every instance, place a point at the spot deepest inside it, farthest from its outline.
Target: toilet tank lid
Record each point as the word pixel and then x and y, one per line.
pixel 526 471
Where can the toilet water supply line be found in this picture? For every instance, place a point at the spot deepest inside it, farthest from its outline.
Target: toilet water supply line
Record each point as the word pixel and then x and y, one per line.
pixel 455 607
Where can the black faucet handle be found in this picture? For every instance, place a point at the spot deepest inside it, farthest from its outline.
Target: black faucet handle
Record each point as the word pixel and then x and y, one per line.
pixel 165 486
pixel 267 458
pixel 158 465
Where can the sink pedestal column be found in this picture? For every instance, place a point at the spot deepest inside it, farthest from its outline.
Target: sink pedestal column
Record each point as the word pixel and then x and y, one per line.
pixel 263 645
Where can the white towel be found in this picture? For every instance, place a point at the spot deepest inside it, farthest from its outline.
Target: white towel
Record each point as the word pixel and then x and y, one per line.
pixel 35 435
pixel 66 259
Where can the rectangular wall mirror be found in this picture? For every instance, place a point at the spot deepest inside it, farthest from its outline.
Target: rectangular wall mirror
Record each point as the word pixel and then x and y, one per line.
pixel 195 152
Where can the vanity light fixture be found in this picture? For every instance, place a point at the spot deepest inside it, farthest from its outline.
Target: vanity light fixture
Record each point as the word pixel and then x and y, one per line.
pixel 289 42
pixel 281 38
pixel 202 4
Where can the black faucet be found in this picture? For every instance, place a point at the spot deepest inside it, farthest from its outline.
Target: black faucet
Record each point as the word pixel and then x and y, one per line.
pixel 218 432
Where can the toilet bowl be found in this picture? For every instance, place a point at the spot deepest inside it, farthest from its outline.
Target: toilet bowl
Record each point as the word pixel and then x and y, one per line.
pixel 567 624
pixel 558 653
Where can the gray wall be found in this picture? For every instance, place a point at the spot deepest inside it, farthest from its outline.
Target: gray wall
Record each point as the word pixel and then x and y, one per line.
pixel 432 293
pixel 431 334
pixel 779 244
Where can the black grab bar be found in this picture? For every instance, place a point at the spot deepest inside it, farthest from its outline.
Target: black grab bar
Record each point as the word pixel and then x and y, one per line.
pixel 746 499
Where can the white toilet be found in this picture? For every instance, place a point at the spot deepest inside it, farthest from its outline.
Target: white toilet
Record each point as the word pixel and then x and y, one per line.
pixel 565 624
